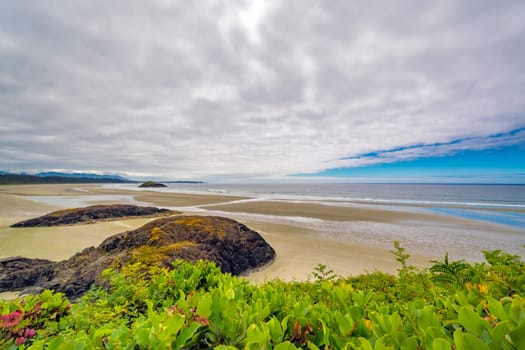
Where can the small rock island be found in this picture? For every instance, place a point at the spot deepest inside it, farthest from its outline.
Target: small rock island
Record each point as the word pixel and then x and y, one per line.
pixel 93 213
pixel 152 184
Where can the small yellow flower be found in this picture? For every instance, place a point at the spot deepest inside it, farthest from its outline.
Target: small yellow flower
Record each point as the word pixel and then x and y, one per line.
pixel 483 289
pixel 368 323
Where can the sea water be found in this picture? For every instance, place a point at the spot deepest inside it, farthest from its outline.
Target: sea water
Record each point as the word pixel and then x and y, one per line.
pixel 503 196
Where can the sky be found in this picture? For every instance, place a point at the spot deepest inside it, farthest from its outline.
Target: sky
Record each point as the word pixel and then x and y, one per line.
pixel 235 91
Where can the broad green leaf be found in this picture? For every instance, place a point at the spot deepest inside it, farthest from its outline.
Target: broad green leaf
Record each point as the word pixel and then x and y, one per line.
pixel 175 322
pixel 472 321
pixel 380 345
pixel 496 309
pixel 518 336
pixel 285 346
pixel 466 341
pixel 185 335
pixel 312 346
pixel 365 344
pixel 276 332
pixel 343 323
pixel 499 333
pixel 408 343
pixel 428 318
pixel 458 339
pixel 204 307
pixel 441 344
pixel 99 335
pixel 470 342
pixel 230 294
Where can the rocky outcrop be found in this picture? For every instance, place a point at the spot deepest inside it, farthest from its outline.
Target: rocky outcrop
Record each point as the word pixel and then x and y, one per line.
pixel 92 213
pixel 231 245
pixel 18 272
pixel 152 184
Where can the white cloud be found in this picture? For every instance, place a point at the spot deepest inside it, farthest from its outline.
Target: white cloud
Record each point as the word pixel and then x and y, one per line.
pixel 252 89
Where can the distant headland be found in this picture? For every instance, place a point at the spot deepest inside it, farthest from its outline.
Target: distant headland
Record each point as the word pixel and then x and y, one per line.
pixel 7 178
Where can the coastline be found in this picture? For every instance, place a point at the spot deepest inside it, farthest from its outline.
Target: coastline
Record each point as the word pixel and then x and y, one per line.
pixel 350 238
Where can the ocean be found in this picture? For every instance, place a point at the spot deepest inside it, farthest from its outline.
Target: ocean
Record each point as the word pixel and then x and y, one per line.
pixel 495 196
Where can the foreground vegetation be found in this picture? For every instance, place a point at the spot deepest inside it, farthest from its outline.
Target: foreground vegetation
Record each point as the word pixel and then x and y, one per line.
pixel 453 305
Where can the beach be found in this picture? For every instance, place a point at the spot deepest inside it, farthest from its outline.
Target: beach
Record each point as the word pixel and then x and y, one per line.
pixel 348 237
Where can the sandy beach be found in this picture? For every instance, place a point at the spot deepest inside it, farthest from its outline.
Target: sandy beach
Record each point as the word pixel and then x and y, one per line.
pixel 349 238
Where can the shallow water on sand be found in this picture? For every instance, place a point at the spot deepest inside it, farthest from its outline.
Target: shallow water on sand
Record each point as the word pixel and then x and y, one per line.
pixel 432 239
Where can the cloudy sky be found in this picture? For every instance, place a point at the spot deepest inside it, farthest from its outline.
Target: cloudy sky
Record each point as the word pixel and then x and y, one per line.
pixel 264 90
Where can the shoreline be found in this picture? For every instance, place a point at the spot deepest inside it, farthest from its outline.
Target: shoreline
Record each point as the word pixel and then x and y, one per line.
pixel 350 239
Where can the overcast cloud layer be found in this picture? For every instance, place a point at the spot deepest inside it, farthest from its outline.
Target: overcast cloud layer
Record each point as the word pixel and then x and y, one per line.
pixel 254 89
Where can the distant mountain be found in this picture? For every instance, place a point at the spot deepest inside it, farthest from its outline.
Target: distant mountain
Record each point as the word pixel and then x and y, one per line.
pixel 15 179
pixel 82 176
pixel 59 177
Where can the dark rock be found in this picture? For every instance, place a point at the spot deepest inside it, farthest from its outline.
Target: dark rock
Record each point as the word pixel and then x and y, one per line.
pixel 18 272
pixel 228 243
pixel 152 184
pixel 90 214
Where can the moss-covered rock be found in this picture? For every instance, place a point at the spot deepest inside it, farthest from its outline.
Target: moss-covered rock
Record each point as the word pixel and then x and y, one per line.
pixel 231 245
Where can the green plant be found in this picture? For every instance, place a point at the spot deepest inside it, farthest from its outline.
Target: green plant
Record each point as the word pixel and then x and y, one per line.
pixel 455 273
pixel 322 273
pixel 401 257
pixel 195 306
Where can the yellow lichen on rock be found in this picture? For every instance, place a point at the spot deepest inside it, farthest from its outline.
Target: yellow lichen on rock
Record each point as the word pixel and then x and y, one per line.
pixel 63 212
pixel 155 235
pixel 203 224
pixel 156 255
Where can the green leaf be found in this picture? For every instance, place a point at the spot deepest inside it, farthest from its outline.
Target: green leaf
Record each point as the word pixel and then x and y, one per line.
pixel 380 345
pixel 344 323
pixel 276 331
pixel 229 294
pixel 365 344
pixel 285 346
pixel 472 321
pixel 518 336
pixel 470 342
pixel 499 333
pixel 441 344
pixel 185 335
pixel 99 335
pixel 204 307
pixel 466 341
pixel 142 336
pixel 496 309
pixel 312 346
pixel 57 343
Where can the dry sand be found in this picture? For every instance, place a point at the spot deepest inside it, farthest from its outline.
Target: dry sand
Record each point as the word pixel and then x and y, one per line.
pixel 299 247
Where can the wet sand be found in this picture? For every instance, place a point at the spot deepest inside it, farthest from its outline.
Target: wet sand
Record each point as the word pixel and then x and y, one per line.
pixel 323 212
pixel 349 212
pixel 300 250
pixel 348 238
